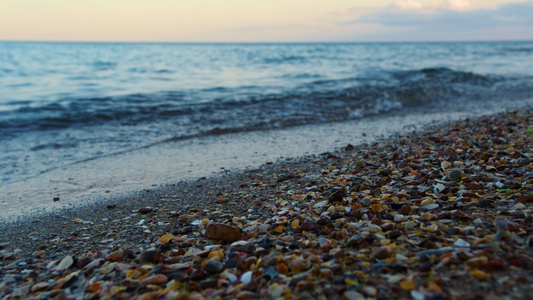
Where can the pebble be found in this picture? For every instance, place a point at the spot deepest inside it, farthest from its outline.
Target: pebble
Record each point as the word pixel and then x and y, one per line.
pixel 309 225
pixel 64 264
pixel 213 267
pixel 337 196
pixel 353 295
pixel 222 232
pixel 145 210
pixel 355 240
pixel 246 278
pixel 150 256
pixel 155 279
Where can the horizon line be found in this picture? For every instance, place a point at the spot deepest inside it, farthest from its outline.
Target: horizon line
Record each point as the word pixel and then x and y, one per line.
pixel 265 42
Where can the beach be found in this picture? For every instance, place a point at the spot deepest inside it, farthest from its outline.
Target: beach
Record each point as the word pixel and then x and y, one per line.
pixel 439 213
pixel 89 122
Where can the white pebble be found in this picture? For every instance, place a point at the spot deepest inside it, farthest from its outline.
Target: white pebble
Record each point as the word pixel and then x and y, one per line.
pixel 246 277
pixel 461 243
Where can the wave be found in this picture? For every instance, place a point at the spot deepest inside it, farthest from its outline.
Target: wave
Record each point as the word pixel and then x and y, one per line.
pixel 221 110
pixel 519 49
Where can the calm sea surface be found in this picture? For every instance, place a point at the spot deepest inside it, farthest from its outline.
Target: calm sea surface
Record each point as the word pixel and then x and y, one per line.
pixel 65 104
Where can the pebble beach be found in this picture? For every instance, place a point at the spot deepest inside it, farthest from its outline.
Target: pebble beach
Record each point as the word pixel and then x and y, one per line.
pixel 440 214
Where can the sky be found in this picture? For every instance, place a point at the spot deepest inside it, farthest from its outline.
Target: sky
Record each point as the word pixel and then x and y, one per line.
pixel 266 20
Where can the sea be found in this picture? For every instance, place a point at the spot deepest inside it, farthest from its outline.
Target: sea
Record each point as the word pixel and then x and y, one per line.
pixel 84 122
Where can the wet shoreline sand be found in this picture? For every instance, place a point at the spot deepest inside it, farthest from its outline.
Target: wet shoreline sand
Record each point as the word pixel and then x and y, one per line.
pixel 378 221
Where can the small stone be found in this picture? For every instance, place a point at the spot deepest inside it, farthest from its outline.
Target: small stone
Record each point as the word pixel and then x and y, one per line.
pixel 223 232
pixel 271 272
pixel 461 215
pixel 337 196
pixel 107 268
pixel 383 253
pixel 355 240
pixel 324 221
pixel 270 261
pixel 369 291
pixel 445 164
pixel 64 264
pixel 155 279
pixel 353 295
pixel 117 255
pixel 410 224
pixel 209 283
pixel 150 256
pixel 365 202
pixel 282 268
pixel 524 198
pixel 95 286
pixel 166 238
pixel 213 267
pixel 406 210
pixel 93 264
pixel 480 275
pixel 430 206
pixel 455 175
pixel 396 206
pixel 145 210
pixel 298 265
pixel 309 225
pixel 39 286
pixel 461 243
pixel 394 234
pixel 407 285
pixel 295 224
pixel 246 277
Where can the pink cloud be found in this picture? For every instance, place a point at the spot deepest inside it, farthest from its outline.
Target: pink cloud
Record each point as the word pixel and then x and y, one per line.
pixel 458 5
pixel 409 4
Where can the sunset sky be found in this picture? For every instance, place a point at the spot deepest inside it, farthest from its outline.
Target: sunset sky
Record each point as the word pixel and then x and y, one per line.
pixel 265 20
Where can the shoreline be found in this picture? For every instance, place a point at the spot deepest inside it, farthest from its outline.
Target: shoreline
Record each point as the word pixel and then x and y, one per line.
pixel 119 174
pixel 301 189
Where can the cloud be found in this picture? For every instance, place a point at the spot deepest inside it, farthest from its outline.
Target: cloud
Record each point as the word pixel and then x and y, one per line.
pixel 452 14
pixel 458 5
pixel 410 4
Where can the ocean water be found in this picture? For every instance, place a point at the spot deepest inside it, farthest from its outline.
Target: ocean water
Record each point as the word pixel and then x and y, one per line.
pixel 84 121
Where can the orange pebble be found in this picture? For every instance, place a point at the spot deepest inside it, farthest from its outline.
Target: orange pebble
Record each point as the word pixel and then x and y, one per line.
pixel 480 275
pixel 166 238
pixel 282 268
pixel 356 206
pixel 279 229
pixel 407 285
pixel 376 207
pixel 216 253
pixel 95 287
pixel 204 262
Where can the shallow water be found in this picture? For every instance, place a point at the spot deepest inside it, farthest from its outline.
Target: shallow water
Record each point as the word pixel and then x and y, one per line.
pixel 77 120
pixel 161 164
